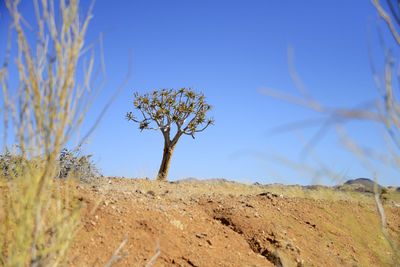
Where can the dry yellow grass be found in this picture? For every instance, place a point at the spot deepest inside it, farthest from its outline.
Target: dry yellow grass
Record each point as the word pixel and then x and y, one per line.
pixel 39 217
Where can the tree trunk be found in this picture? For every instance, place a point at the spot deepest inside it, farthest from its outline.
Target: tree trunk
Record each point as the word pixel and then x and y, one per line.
pixel 166 160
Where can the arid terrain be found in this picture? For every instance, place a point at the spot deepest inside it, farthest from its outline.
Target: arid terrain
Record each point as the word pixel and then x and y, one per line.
pixel 221 223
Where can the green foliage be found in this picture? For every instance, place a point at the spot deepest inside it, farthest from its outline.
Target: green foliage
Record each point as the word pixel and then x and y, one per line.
pixel 163 109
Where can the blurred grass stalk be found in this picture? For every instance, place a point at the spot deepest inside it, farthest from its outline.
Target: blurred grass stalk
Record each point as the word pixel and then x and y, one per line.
pixel 38 214
pixel 385 111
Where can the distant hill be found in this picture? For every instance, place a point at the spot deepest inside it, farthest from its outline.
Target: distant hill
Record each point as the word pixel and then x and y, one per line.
pixel 364 185
pixel 210 180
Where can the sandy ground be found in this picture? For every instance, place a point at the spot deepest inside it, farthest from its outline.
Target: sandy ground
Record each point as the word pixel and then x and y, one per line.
pixel 229 224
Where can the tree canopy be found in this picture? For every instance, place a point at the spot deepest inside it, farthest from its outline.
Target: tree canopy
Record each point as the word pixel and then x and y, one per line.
pixel 162 110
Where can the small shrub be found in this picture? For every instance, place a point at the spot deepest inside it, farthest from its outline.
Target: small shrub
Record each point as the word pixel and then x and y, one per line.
pixel 11 164
pixel 72 163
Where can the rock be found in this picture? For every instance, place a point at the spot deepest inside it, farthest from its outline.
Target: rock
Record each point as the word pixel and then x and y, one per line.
pixel 313 225
pixel 300 262
pixel 151 193
pixel 177 224
pixel 201 235
pixel 269 195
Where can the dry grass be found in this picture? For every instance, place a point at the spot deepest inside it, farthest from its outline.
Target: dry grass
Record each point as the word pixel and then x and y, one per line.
pixel 40 216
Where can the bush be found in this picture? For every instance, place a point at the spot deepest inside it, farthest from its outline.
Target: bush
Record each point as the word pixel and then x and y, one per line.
pixel 11 164
pixel 72 163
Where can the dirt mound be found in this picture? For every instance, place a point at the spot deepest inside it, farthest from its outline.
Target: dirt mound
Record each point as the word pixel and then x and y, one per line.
pixel 229 224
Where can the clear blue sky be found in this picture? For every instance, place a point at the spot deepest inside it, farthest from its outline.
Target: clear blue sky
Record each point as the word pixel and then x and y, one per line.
pixel 230 50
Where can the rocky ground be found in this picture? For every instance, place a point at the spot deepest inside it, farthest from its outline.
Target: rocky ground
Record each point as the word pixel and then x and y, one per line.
pixel 220 223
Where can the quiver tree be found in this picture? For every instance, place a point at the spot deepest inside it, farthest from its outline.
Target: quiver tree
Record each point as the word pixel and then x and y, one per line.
pixel 174 113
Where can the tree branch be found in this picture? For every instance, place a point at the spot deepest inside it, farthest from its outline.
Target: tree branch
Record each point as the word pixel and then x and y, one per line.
pixel 167 107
